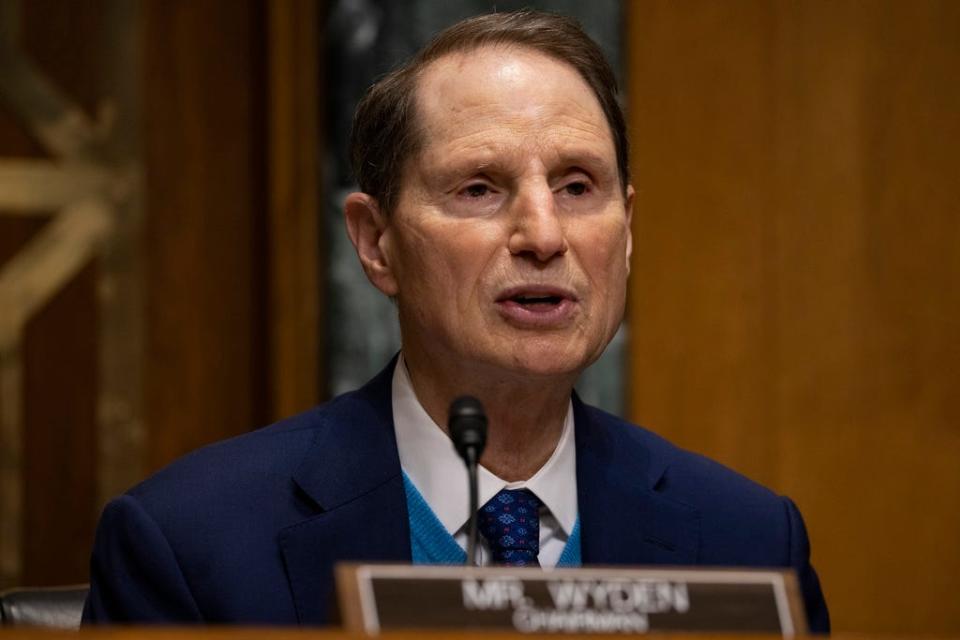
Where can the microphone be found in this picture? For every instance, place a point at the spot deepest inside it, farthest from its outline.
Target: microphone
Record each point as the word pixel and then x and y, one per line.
pixel 468 430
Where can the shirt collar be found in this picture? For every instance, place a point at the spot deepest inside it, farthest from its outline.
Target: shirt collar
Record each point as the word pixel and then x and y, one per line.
pixel 433 466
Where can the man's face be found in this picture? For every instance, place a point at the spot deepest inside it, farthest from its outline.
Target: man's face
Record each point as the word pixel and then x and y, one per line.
pixel 509 245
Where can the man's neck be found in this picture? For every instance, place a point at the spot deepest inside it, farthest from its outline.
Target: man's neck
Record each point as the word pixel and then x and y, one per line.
pixel 525 416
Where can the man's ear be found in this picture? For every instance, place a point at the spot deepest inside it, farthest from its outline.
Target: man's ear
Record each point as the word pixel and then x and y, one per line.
pixel 367 228
pixel 628 205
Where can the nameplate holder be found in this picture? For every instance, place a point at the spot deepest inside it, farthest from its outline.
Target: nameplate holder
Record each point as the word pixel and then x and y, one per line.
pixel 377 598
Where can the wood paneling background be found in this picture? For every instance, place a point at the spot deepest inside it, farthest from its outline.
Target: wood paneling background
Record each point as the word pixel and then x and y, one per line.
pixel 231 234
pixel 204 233
pixel 795 308
pixel 206 114
pixel 55 82
pixel 295 267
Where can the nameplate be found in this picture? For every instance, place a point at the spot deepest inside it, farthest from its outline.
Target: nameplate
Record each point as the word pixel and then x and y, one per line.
pixel 375 598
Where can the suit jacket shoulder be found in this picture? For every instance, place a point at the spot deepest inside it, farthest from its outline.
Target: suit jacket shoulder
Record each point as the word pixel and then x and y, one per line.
pixel 644 500
pixel 248 529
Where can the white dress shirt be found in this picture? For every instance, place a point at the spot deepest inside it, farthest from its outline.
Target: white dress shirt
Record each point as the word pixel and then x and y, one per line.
pixel 433 466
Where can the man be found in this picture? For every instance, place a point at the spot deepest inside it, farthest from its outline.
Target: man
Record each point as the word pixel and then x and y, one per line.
pixel 495 210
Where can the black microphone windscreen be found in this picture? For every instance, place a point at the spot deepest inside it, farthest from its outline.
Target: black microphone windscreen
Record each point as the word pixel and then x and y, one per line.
pixel 468 425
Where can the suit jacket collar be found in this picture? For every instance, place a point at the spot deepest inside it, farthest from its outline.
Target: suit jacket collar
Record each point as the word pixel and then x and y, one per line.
pixel 624 517
pixel 357 428
pixel 352 476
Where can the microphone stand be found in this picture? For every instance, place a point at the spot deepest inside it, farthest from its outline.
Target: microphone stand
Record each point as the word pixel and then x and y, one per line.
pixel 471 461
pixel 468 430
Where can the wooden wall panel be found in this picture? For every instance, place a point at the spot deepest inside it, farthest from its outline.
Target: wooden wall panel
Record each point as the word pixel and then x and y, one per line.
pixel 294 267
pixel 794 300
pixel 700 107
pixel 59 422
pixel 197 319
pixel 204 238
pixel 51 359
pixel 14 140
pixel 66 40
pixel 60 390
pixel 60 345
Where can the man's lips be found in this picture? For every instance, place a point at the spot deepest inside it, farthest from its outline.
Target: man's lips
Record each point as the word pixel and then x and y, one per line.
pixel 537 306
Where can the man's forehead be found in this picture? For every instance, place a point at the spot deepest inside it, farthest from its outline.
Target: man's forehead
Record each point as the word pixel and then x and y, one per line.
pixel 505 87
pixel 492 68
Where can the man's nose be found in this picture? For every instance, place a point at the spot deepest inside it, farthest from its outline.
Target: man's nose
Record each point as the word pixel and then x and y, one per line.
pixel 537 228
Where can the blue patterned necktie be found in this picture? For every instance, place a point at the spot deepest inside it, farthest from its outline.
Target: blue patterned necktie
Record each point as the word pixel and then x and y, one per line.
pixel 510 522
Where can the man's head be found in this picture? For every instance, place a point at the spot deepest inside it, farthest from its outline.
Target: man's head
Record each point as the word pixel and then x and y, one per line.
pixel 507 242
pixel 386 129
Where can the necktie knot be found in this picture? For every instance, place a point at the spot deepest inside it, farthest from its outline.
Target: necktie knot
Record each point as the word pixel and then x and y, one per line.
pixel 510 522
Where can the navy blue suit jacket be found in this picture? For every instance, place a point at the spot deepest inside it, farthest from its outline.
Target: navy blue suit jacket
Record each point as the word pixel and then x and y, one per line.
pixel 248 530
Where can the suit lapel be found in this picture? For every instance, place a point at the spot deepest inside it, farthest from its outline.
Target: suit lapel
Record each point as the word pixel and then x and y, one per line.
pixel 623 518
pixel 351 476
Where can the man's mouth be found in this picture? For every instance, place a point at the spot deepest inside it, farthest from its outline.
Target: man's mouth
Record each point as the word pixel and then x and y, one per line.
pixel 537 302
pixel 537 306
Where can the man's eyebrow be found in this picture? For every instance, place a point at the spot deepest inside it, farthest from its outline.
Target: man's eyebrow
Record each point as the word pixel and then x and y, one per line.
pixel 454 169
pixel 588 160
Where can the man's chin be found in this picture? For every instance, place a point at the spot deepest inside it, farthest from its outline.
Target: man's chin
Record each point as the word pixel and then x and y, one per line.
pixel 546 363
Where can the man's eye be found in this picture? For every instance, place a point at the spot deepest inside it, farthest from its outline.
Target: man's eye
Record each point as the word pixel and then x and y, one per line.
pixel 476 190
pixel 576 188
